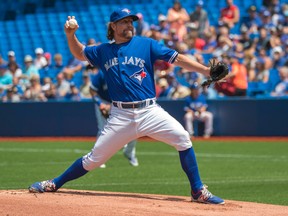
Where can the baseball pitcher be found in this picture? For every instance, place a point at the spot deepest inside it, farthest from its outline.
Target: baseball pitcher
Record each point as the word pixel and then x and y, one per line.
pixel 127 63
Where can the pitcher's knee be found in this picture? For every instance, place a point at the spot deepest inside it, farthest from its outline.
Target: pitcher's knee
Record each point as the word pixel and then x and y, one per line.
pixel 183 141
pixel 89 162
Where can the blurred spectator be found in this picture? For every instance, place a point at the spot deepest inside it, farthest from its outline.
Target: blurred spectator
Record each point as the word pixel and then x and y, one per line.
pixel 5 77
pixel 142 27
pixel 51 92
pixel 155 34
pixel 162 68
pixel 253 20
pixel 73 94
pixel 196 109
pixel 261 74
pixel 14 69
pixel 45 70
pixel 163 27
pixel 12 95
pixel 273 6
pixel 12 57
pixel 266 21
pixel 16 84
pixel 92 42
pixel 200 59
pixel 278 57
pixel 211 41
pixel 62 86
pixel 245 39
pixel 46 83
pixel 56 67
pixel 230 15
pixel 284 19
pixel 34 91
pixel 74 66
pixel 177 90
pixel 180 91
pixel 198 43
pixel 238 50
pixel 199 19
pixel 224 45
pixel 284 34
pixel 267 60
pixel 223 30
pixel 281 88
pixel 166 90
pixel 84 88
pixel 178 17
pixel 286 52
pixel 274 37
pixel 28 71
pixel 250 64
pixel 236 81
pixel 40 61
pixel 263 40
pixel 47 56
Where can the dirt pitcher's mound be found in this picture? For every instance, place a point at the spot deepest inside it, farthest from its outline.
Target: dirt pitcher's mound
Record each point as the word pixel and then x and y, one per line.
pixel 72 202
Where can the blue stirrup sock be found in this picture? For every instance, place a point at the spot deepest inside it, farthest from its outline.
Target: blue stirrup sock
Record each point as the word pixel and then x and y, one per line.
pixel 189 165
pixel 75 171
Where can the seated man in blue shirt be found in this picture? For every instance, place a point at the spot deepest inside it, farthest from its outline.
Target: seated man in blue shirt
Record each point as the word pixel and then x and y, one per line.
pixel 195 109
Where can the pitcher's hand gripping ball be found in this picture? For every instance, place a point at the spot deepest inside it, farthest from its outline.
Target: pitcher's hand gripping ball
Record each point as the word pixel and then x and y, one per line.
pixel 218 70
pixel 72 23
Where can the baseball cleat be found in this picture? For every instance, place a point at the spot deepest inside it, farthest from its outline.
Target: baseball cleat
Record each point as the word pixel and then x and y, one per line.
pixel 41 187
pixel 205 196
pixel 134 162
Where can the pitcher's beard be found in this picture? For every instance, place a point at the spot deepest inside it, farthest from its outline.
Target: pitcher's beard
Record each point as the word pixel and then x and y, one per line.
pixel 127 34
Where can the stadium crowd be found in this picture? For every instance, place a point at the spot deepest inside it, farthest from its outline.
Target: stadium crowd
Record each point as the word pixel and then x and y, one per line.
pixel 254 46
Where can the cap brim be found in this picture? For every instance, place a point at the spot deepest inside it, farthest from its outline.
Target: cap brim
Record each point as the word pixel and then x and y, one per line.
pixel 134 17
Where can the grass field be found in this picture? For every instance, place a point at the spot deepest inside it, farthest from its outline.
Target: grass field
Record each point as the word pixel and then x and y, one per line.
pixel 246 171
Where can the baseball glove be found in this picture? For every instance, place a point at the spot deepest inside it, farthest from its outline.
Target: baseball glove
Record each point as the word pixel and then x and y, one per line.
pixel 218 70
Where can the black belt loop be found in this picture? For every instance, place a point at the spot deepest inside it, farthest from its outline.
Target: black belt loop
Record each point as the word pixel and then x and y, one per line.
pixel 136 105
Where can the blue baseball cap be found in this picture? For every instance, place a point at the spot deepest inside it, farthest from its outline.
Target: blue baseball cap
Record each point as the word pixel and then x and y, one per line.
pixel 122 13
pixel 195 85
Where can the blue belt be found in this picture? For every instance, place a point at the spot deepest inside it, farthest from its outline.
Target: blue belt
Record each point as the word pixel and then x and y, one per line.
pixel 133 105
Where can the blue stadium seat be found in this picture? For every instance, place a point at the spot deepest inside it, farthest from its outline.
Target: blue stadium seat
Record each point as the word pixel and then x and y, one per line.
pixel 258 88
pixel 274 79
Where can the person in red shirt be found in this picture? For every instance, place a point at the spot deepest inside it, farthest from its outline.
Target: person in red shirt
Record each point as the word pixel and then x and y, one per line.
pixel 236 81
pixel 230 15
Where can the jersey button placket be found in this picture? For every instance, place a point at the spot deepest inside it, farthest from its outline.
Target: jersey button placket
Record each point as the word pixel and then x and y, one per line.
pixel 121 66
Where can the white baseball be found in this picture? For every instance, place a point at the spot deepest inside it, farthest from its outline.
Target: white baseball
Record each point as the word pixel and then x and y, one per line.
pixel 72 23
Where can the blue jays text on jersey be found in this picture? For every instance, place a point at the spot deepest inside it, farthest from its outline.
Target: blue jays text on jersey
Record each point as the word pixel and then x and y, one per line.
pixel 127 60
pixel 128 67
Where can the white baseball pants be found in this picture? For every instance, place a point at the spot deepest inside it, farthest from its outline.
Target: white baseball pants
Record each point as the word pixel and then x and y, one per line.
pixel 125 125
pixel 206 116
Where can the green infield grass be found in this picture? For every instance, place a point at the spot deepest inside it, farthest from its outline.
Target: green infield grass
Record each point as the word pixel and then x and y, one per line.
pixel 247 171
